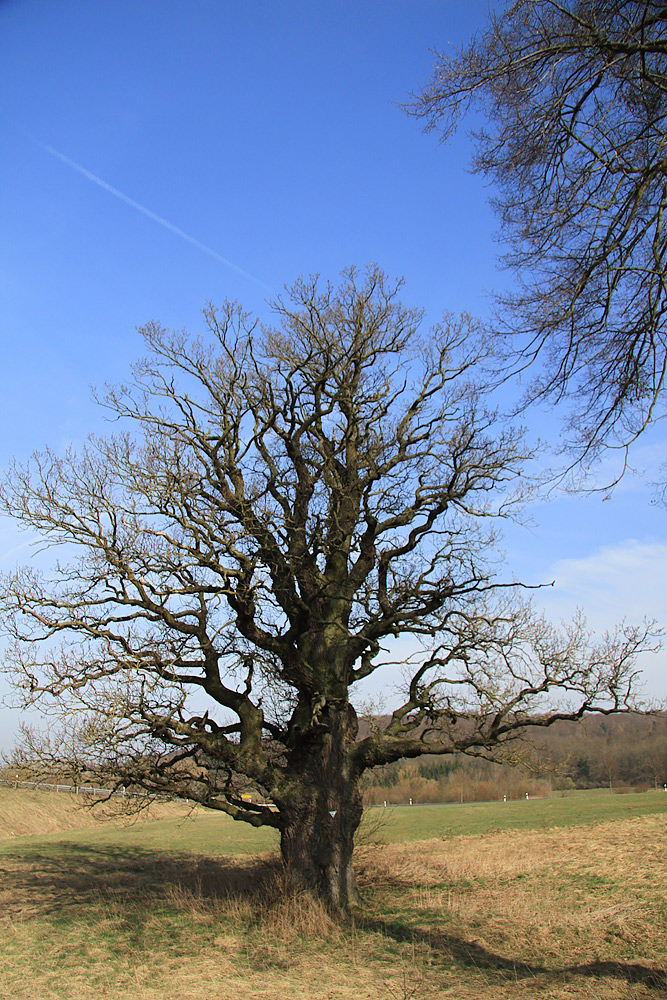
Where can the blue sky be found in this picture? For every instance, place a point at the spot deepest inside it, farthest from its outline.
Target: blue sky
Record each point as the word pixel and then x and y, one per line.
pixel 159 154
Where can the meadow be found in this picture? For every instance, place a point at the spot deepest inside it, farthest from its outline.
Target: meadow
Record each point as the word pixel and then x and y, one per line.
pixel 558 898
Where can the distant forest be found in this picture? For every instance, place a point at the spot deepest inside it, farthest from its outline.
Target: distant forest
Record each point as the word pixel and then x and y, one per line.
pixel 619 752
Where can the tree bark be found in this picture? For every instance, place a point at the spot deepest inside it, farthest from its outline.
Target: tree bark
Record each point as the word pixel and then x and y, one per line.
pixel 321 812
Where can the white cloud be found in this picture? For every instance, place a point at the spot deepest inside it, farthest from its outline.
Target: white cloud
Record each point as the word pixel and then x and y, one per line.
pixel 631 576
pixel 627 581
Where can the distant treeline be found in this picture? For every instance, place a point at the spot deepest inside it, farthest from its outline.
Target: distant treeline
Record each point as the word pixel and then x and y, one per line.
pixel 614 751
pixel 619 752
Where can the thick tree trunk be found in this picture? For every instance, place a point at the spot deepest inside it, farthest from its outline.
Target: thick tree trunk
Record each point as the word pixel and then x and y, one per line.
pixel 320 815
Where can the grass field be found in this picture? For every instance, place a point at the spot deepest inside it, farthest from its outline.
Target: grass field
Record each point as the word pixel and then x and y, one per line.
pixel 560 898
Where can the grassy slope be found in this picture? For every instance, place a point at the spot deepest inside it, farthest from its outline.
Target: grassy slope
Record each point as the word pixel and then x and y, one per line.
pixel 25 812
pixel 182 907
pixel 423 822
pixel 33 813
pixel 200 832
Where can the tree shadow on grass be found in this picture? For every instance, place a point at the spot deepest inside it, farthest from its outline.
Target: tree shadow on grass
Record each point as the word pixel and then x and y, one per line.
pixel 61 882
pixel 55 882
pixel 474 956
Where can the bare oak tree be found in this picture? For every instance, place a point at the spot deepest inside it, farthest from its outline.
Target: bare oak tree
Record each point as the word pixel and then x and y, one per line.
pixel 295 498
pixel 574 96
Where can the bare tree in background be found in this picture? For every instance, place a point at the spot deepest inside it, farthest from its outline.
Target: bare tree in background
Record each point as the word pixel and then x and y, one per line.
pixel 574 94
pixel 293 500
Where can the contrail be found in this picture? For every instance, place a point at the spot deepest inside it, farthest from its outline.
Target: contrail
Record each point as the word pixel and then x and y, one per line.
pixel 146 211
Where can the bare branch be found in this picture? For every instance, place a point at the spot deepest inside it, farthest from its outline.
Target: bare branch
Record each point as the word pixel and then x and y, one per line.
pixel 575 97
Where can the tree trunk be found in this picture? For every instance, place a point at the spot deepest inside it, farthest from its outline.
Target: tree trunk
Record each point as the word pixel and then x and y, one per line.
pixel 320 814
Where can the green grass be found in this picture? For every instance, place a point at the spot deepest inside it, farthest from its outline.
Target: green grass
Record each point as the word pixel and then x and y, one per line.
pixel 406 823
pixel 215 834
pixel 516 909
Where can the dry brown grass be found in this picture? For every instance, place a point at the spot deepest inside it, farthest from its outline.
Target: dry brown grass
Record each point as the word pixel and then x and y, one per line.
pixel 556 914
pixel 585 904
pixel 34 813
